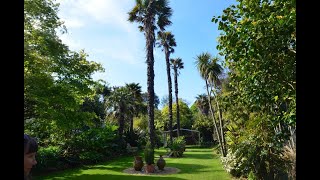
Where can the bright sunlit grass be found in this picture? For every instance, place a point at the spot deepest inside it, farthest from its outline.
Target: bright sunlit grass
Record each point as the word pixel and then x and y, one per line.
pixel 196 164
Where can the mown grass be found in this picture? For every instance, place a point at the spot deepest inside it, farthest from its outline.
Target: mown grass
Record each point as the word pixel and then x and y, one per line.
pixel 196 164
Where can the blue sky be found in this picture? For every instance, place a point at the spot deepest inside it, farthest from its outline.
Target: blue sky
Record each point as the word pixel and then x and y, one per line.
pixel 100 27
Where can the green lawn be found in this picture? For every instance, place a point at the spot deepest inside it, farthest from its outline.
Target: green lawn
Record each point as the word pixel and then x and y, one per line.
pixel 196 164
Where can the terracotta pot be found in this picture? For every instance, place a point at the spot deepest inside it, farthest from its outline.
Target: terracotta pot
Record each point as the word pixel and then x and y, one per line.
pixel 161 163
pixel 150 168
pixel 137 163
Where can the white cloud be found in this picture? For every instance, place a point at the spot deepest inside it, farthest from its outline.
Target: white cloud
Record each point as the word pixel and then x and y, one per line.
pixel 86 19
pixel 121 54
pixel 83 12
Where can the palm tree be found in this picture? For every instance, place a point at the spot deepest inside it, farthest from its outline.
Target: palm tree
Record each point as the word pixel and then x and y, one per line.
pixel 151 14
pixel 118 103
pixel 176 65
pixel 210 70
pixel 202 104
pixel 215 82
pixel 167 41
pixel 137 105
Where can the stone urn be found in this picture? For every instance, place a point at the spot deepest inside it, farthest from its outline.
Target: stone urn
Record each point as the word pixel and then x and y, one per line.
pixel 149 168
pixel 161 163
pixel 137 163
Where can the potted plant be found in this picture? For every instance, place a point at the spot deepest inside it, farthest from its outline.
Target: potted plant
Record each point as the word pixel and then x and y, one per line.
pixel 137 163
pixel 161 163
pixel 149 158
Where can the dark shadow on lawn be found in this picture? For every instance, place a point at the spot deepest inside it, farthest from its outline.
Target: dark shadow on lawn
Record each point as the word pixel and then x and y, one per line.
pixel 116 166
pixel 114 177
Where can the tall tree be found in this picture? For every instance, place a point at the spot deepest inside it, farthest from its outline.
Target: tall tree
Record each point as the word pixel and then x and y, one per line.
pixel 209 70
pixel 215 71
pixel 258 42
pixel 177 64
pixel 56 80
pixel 167 42
pixel 186 119
pixel 151 14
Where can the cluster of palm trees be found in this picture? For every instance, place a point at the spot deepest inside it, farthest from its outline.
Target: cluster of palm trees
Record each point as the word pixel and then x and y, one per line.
pixel 211 71
pixel 153 15
pixel 124 103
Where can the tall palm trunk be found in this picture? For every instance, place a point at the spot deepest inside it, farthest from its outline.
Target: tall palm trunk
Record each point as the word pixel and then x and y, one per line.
pixel 177 100
pixel 214 119
pixel 221 129
pixel 152 14
pixel 170 93
pixel 149 34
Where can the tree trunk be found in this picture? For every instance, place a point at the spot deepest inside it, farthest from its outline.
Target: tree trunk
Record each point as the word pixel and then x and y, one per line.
pixel 213 118
pixel 149 34
pixel 177 100
pixel 170 92
pixel 221 130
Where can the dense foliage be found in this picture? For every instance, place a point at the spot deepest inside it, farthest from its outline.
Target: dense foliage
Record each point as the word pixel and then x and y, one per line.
pixel 258 42
pixel 56 80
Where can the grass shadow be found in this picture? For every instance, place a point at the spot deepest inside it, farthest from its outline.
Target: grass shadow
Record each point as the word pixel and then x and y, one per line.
pixel 111 177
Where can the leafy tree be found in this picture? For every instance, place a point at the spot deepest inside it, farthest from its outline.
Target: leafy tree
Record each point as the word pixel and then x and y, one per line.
pixel 186 117
pixel 56 80
pixel 258 42
pixel 96 106
pixel 177 64
pixel 167 41
pixel 151 14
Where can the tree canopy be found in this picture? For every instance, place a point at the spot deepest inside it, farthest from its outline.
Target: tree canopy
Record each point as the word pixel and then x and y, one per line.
pixel 56 79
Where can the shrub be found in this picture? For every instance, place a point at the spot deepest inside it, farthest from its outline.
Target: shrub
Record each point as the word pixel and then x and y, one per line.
pixel 232 164
pixel 131 138
pixel 177 147
pixel 289 155
pixel 49 157
pixel 101 140
pixel 142 140
pixel 149 154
